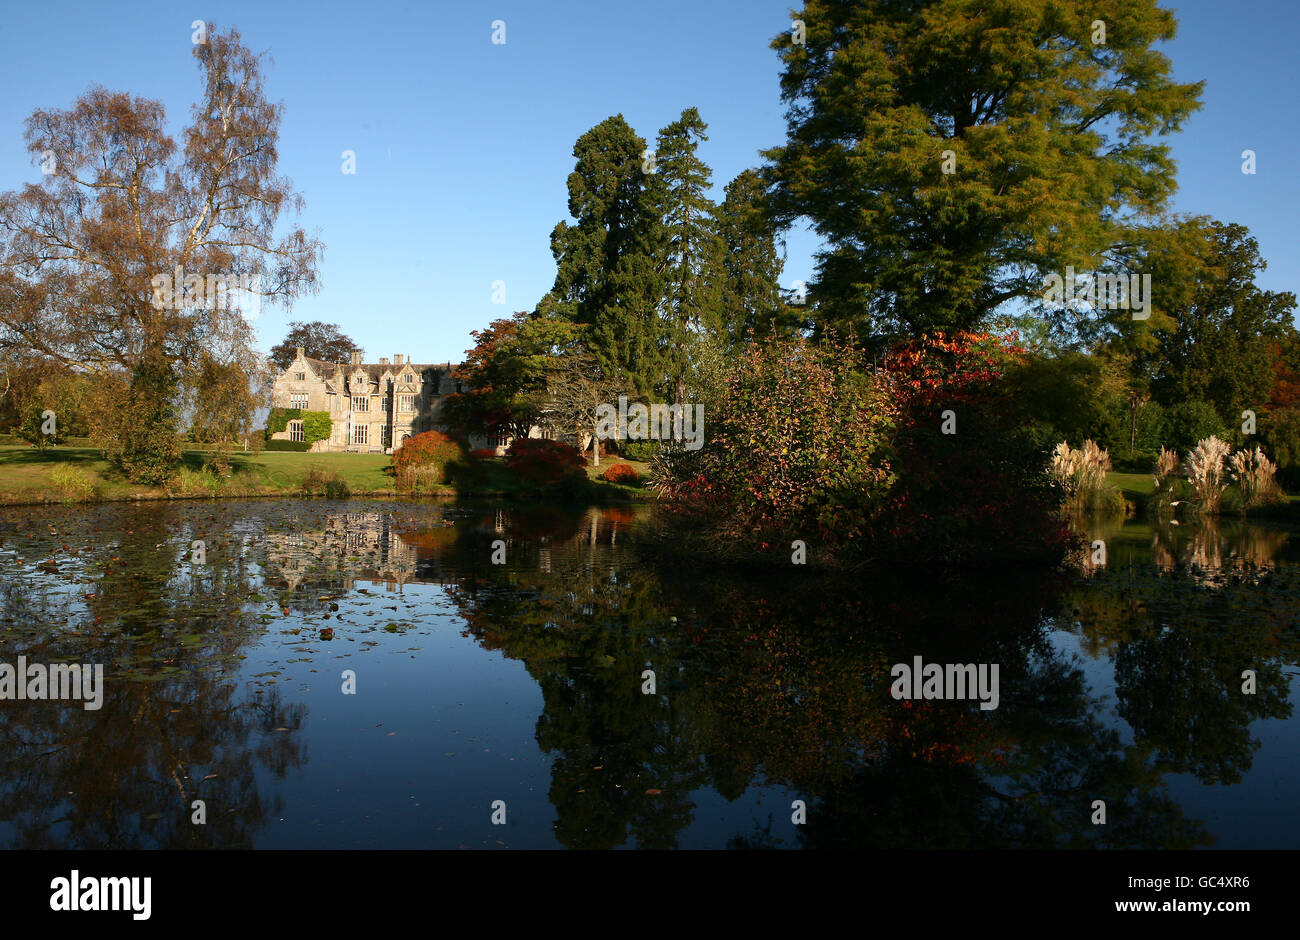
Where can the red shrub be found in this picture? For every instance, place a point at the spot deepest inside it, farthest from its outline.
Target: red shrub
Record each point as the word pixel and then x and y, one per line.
pixel 483 453
pixel 960 494
pixel 423 458
pixel 621 473
pixel 545 462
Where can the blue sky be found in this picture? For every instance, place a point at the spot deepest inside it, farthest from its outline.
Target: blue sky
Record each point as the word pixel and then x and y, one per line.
pixel 463 147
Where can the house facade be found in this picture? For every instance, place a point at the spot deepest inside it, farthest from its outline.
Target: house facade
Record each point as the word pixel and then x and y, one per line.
pixel 372 407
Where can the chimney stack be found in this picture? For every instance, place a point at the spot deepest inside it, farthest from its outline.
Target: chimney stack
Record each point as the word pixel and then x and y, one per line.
pixel 301 352
pixel 383 360
pixel 356 357
pixel 397 359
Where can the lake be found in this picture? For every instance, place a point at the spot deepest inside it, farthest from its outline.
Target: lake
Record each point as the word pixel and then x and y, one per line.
pixel 363 675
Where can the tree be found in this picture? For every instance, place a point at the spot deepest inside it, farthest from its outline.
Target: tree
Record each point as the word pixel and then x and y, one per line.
pixel 1223 350
pixel 137 253
pixel 40 426
pixel 506 374
pixel 953 153
pixel 33 385
pixel 323 341
pixel 751 298
pixel 577 385
pixel 606 276
pixel 690 249
pixel 222 406
pixel 134 421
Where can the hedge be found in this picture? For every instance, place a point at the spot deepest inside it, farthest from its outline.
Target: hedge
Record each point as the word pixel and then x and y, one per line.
pixel 299 446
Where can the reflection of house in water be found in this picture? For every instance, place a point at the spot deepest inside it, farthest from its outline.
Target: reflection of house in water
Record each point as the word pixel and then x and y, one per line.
pixel 399 548
pixel 354 545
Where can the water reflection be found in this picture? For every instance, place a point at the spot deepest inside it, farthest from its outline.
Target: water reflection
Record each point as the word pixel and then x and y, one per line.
pixel 766 688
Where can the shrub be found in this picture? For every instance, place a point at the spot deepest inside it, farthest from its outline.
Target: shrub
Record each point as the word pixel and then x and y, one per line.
pixel 197 482
pixel 296 446
pixel 1280 429
pixel 1079 471
pixel 35 425
pixel 424 460
pixel 318 481
pixel 958 493
pixel 546 463
pixel 74 484
pixel 483 453
pixel 1207 473
pixel 793 447
pixel 1081 476
pixel 134 424
pixel 638 450
pixel 810 441
pixel 621 473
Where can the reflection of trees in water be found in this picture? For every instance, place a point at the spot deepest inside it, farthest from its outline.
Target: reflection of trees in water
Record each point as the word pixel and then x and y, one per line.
pixel 1062 757
pixel 1183 611
pixel 172 728
pixel 783 680
pixel 778 680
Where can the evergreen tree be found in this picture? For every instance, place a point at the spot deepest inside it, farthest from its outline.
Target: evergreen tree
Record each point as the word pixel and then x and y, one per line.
pixel 751 267
pixel 606 277
pixel 690 256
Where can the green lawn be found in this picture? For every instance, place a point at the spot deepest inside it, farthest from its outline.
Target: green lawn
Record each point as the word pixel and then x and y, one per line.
pixel 1134 486
pixel 25 476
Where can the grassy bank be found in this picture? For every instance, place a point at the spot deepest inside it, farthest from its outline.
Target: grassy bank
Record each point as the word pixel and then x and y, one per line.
pixel 1136 487
pixel 1140 488
pixel 80 474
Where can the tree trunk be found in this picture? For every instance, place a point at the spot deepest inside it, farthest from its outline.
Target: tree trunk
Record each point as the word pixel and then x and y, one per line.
pixel 1133 427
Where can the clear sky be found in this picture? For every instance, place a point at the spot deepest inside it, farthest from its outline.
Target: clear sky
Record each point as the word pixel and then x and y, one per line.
pixel 463 147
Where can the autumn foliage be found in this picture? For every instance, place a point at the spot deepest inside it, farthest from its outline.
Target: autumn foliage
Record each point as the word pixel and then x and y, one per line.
pixel 423 460
pixel 971 485
pixel 621 473
pixel 922 458
pixel 545 463
pixel 794 446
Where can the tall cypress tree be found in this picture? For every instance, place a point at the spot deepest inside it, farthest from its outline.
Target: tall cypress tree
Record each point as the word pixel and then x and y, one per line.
pixel 690 257
pixel 606 276
pixel 751 298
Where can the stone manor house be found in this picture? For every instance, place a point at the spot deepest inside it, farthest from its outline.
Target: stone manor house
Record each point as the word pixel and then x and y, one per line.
pixel 372 406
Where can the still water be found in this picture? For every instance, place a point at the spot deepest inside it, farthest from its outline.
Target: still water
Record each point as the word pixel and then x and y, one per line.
pixel 361 675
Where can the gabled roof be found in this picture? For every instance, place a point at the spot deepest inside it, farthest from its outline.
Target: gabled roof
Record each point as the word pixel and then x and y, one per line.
pixel 374 370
